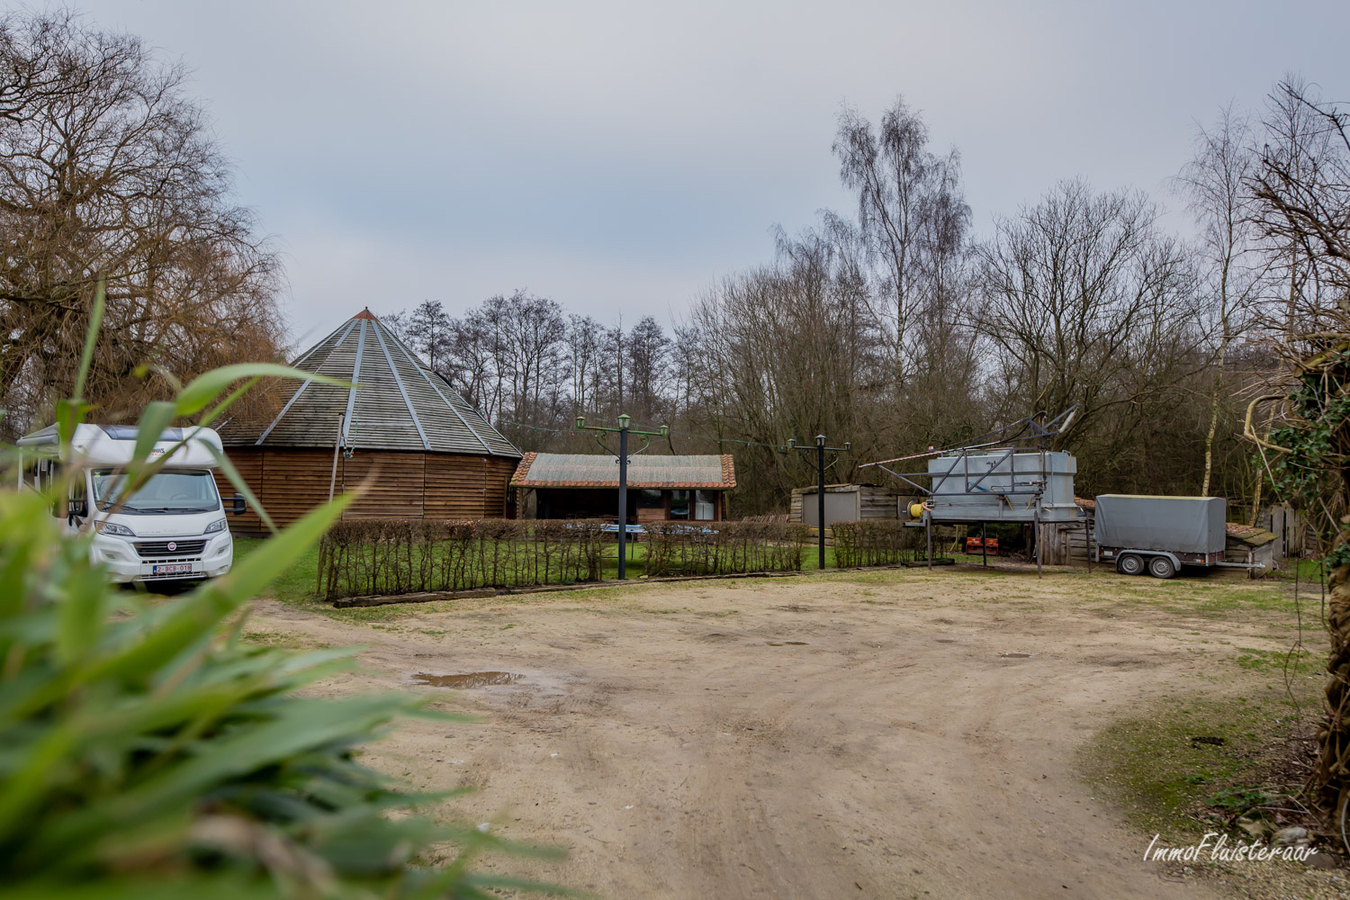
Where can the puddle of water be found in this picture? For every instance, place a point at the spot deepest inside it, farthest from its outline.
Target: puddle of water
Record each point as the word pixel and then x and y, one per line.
pixel 467 680
pixel 1016 655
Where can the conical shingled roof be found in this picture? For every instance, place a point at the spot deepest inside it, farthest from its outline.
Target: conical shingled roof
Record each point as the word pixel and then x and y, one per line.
pixel 400 404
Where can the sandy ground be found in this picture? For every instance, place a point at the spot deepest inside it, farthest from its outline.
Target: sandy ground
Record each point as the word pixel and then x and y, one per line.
pixel 891 735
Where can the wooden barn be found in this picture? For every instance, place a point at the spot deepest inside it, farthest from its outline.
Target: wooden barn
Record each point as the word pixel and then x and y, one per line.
pixel 660 488
pixel 427 453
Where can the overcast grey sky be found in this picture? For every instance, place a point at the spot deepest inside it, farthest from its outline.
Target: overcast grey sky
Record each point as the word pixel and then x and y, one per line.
pixel 620 157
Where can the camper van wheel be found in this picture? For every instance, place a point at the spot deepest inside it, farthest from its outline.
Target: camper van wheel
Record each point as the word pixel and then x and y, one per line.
pixel 1130 564
pixel 1161 567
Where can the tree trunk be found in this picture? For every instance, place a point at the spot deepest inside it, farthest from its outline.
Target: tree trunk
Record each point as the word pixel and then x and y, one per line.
pixel 1213 424
pixel 1331 775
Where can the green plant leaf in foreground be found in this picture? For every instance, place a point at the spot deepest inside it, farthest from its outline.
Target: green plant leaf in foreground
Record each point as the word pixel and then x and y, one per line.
pixel 146 751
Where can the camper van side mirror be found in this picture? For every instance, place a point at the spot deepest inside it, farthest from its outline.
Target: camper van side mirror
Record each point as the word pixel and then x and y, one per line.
pixel 238 508
pixel 79 507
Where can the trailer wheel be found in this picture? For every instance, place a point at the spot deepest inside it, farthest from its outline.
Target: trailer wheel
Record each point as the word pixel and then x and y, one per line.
pixel 1130 564
pixel 1161 567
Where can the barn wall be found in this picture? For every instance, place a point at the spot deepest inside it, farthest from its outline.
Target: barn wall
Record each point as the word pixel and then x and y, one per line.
pixel 249 463
pixel 290 482
pixel 878 502
pixel 466 487
pixel 391 484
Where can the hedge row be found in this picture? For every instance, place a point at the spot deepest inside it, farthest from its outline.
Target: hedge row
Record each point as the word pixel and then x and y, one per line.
pixel 876 542
pixel 367 557
pixel 724 548
pixel 406 556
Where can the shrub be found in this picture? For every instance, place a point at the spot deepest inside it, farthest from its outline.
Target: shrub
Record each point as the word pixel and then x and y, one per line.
pixel 403 556
pixel 876 542
pixel 724 548
pixel 146 752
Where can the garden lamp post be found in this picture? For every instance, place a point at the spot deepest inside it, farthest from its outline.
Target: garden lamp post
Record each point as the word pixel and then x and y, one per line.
pixel 820 449
pixel 623 431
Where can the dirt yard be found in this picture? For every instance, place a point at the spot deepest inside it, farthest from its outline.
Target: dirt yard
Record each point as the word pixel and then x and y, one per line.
pixel 897 734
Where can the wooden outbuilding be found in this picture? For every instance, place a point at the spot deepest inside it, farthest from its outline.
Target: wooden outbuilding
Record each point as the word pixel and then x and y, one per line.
pixel 1252 545
pixel 845 503
pixel 1070 543
pixel 420 450
pixel 660 488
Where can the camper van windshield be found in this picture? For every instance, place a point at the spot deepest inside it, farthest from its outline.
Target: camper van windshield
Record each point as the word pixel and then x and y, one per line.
pixel 167 492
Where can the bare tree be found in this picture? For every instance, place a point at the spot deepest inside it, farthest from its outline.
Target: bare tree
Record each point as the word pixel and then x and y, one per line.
pixel 912 219
pixel 109 171
pixel 1077 293
pixel 585 338
pixel 428 330
pixel 473 353
pixel 1303 187
pixel 646 359
pixel 776 353
pixel 1234 268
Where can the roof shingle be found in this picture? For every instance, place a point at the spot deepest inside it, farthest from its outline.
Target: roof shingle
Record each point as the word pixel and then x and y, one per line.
pixel 593 470
pixel 398 404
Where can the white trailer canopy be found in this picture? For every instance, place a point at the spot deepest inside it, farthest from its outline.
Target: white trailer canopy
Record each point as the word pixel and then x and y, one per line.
pixel 115 445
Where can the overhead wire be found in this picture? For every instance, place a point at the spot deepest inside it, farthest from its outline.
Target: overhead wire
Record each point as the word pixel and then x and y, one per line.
pixel 688 434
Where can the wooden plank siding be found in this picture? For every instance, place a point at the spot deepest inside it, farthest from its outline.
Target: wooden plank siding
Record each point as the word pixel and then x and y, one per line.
pixel 466 487
pixel 291 482
pixel 873 501
pixel 249 465
pixel 391 483
pixel 1065 543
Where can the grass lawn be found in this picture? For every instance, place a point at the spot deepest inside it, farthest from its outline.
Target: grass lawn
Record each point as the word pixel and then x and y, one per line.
pixel 1226 744
pixel 297 584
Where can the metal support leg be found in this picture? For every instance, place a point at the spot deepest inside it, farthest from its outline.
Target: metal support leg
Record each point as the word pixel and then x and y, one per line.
pixel 984 544
pixel 928 524
pixel 1087 533
pixel 1036 534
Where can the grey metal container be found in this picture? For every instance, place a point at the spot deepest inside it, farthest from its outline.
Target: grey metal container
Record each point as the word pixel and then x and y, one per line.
pixel 1175 524
pixel 1004 486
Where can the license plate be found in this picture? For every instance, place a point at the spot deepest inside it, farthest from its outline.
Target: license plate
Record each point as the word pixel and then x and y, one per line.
pixel 173 569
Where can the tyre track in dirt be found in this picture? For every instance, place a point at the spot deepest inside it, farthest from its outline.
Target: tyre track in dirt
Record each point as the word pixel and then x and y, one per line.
pixel 809 744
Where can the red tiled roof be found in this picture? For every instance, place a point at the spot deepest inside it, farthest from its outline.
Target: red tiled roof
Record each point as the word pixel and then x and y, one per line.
pixel 594 470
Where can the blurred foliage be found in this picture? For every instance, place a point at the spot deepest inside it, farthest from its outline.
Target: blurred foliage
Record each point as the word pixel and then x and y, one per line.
pixel 146 750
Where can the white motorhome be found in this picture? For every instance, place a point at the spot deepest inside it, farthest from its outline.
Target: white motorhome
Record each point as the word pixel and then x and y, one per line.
pixel 172 528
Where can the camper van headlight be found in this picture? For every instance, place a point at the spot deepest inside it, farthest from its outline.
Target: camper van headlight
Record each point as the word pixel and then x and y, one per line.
pixel 217 525
pixel 114 528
